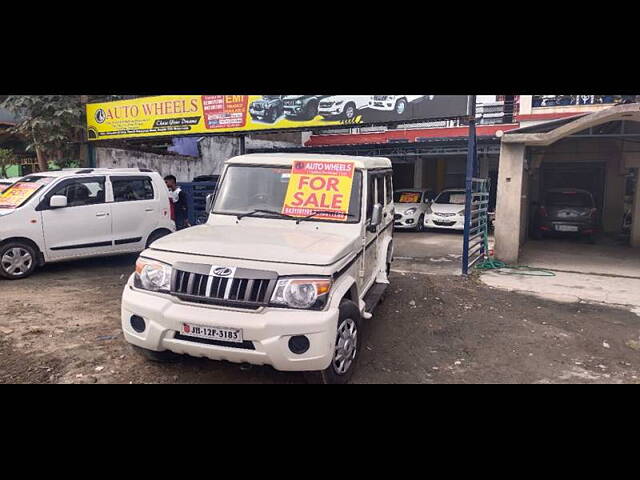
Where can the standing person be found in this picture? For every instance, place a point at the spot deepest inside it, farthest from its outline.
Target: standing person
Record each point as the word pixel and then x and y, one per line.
pixel 180 207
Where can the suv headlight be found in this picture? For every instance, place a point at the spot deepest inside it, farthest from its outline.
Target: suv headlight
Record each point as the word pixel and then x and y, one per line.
pixel 309 293
pixel 410 211
pixel 152 275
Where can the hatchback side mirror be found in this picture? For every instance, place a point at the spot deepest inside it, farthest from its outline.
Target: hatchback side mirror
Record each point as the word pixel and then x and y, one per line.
pixel 58 201
pixel 376 217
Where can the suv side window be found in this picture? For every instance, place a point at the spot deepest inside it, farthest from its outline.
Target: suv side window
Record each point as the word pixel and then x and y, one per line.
pixel 371 191
pixel 388 188
pixel 380 190
pixel 131 189
pixel 80 192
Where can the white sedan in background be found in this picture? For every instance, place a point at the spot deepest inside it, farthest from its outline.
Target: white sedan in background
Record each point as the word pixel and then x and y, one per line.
pixel 411 207
pixel 447 210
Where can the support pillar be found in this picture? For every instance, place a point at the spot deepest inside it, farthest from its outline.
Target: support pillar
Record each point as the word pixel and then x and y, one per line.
pixel 635 215
pixel 417 172
pixel 509 205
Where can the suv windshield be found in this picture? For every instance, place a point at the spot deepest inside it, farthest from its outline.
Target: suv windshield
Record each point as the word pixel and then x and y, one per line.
pixel 406 197
pixel 245 189
pixel 569 199
pixel 456 197
pixel 20 192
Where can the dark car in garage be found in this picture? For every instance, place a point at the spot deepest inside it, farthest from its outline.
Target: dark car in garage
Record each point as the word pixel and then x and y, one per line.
pixel 566 211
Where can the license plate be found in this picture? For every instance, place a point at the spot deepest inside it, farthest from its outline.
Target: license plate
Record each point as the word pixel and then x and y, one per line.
pixel 566 228
pixel 212 333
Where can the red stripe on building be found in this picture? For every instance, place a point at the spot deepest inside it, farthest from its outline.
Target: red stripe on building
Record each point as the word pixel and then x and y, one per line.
pixel 410 135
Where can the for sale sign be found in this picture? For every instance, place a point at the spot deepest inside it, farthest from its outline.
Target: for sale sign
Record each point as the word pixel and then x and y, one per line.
pixel 321 189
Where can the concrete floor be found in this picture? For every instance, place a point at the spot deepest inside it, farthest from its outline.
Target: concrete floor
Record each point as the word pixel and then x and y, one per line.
pixel 436 252
pixel 604 273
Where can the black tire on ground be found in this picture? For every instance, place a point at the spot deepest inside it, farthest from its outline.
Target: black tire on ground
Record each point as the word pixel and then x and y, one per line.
pixel 311 111
pixel 18 260
pixel 273 116
pixel 420 224
pixel 349 319
pixel 165 356
pixel 156 235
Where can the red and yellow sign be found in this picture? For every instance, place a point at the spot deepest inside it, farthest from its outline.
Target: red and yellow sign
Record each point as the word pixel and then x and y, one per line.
pixel 18 193
pixel 323 188
pixel 410 197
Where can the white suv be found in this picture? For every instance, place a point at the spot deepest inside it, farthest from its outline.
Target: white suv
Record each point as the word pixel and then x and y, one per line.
pixel 345 106
pixel 395 103
pixel 76 213
pixel 256 285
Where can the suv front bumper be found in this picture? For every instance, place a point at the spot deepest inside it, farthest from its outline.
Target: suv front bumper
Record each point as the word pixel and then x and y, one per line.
pixel 269 330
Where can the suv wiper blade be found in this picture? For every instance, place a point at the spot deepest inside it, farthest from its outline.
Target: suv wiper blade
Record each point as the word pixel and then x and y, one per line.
pixel 318 212
pixel 272 212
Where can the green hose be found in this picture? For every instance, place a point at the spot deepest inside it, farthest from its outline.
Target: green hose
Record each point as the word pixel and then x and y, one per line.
pixel 492 264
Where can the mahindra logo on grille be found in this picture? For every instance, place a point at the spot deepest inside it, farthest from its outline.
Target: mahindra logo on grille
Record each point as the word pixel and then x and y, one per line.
pixel 222 272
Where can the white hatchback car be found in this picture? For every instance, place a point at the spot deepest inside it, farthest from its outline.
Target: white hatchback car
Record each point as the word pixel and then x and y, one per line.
pixel 76 213
pixel 447 210
pixel 411 207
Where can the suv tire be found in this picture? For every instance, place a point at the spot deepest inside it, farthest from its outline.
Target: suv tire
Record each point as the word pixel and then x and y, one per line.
pixel 348 342
pixel 350 111
pixel 273 115
pixel 18 260
pixel 166 356
pixel 400 107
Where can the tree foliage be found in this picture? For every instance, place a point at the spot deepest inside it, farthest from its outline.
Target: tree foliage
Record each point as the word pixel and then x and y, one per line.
pixel 6 159
pixel 52 125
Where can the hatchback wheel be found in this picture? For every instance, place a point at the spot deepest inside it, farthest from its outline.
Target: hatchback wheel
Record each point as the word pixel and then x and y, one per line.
pixel 17 260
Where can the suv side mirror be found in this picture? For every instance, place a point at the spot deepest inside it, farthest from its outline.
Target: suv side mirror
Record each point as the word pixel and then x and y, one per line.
pixel 376 217
pixel 58 201
pixel 209 202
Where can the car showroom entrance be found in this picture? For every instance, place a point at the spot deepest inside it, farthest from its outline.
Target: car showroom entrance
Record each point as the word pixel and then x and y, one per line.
pixel 567 192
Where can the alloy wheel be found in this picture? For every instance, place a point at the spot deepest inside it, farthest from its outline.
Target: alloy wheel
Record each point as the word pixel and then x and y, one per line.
pixel 346 346
pixel 16 261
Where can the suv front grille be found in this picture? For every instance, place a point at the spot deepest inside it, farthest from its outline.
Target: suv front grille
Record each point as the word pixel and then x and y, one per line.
pixel 245 288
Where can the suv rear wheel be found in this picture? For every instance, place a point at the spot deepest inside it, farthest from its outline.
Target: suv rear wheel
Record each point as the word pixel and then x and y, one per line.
pixel 347 348
pixel 17 260
pixel 401 106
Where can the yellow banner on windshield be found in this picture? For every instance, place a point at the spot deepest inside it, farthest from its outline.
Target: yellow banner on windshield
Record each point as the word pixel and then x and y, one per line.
pixel 321 189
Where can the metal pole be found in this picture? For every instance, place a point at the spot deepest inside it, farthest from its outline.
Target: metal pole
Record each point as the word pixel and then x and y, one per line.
pixel 242 144
pixel 471 170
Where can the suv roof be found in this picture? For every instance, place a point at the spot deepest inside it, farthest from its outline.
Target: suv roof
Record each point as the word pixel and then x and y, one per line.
pixel 288 159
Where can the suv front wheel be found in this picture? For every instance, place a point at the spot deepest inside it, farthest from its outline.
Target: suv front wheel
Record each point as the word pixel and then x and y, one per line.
pixel 347 348
pixel 17 260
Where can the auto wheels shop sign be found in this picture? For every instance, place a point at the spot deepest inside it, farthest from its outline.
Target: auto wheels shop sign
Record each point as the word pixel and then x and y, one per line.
pixel 170 115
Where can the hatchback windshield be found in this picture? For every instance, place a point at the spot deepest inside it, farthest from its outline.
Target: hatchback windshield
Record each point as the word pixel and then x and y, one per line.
pixel 246 189
pixel 20 192
pixel 569 199
pixel 456 197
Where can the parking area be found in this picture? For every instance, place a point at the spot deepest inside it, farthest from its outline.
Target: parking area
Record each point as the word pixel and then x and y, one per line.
pixel 62 325
pixel 607 272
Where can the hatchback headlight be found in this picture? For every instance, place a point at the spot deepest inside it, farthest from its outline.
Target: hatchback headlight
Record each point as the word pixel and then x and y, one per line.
pixel 410 211
pixel 308 293
pixel 153 275
pixel 461 212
